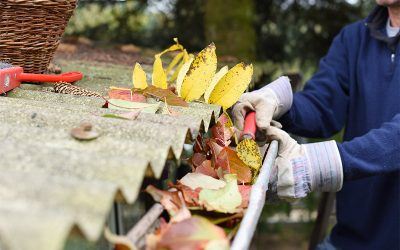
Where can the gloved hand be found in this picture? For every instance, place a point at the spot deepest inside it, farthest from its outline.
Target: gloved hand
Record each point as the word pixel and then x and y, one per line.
pixel 269 102
pixel 302 168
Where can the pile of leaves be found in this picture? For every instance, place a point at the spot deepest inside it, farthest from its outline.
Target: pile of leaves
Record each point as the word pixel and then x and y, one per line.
pixel 187 78
pixel 206 205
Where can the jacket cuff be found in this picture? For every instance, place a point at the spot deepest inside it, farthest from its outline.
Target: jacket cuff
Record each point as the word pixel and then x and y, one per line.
pixel 283 91
pixel 325 166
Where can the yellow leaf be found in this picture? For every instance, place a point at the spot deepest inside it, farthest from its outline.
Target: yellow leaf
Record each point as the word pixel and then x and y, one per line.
pixel 174 62
pixel 173 47
pixel 176 71
pixel 159 78
pixel 232 85
pixel 181 75
pixel 200 73
pixel 139 79
pixel 214 82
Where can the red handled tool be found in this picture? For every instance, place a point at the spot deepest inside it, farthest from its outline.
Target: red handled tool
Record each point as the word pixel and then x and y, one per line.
pixel 247 149
pixel 12 76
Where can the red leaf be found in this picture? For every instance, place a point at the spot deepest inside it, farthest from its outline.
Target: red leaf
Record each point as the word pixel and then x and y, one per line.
pixel 198 159
pixel 207 169
pixel 190 196
pixel 231 163
pixel 191 234
pixel 171 201
pixel 245 192
pixel 126 95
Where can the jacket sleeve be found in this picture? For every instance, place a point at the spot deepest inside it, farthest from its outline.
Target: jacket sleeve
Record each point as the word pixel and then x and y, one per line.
pixel 376 152
pixel 320 110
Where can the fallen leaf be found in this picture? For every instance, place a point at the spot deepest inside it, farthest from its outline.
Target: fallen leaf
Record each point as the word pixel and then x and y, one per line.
pixel 165 95
pixel 126 94
pixel 197 180
pixel 117 104
pixel 207 169
pixel 225 200
pixel 120 242
pixel 139 78
pixel 127 116
pixel 231 163
pixel 249 152
pixel 232 85
pixel 245 193
pixel 159 78
pixel 214 82
pixel 84 132
pixel 200 73
pixel 178 57
pixel 194 233
pixel 172 201
pixel 181 75
pixel 222 134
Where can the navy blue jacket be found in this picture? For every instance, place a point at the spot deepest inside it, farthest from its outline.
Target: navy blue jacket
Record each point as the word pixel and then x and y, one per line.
pixel 357 87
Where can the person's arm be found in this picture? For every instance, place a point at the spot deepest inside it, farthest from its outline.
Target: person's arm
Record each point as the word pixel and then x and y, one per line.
pixel 303 168
pixel 320 110
pixel 376 152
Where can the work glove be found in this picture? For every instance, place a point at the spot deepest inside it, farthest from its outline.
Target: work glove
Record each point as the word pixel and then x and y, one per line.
pixel 269 103
pixel 302 168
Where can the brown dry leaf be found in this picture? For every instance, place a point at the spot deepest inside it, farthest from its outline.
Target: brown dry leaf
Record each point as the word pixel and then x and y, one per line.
pixel 84 132
pixel 162 95
pixel 172 201
pixel 231 163
pixel 195 233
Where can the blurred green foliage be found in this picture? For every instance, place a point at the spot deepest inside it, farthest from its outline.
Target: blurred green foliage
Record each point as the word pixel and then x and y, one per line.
pixel 286 36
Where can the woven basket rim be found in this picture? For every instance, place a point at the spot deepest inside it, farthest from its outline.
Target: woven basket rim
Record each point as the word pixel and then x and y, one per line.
pixel 37 3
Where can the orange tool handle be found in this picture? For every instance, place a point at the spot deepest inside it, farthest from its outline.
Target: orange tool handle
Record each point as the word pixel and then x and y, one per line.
pixel 65 77
pixel 250 126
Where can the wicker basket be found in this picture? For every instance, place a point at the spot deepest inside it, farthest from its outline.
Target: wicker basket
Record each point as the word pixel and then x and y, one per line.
pixel 30 31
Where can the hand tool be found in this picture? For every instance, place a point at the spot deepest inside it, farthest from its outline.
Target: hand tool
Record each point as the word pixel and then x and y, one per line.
pixel 12 76
pixel 247 149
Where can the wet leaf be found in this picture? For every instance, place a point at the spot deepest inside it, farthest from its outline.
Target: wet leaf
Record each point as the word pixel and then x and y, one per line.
pixel 232 85
pixel 194 233
pixel 125 94
pixel 231 163
pixel 225 200
pixel 214 82
pixel 84 132
pixel 249 152
pixel 159 78
pixel 197 180
pixel 139 78
pixel 117 104
pixel 200 73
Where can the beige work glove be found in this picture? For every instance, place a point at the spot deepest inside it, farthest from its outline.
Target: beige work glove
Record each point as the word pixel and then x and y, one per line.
pixel 302 168
pixel 269 103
